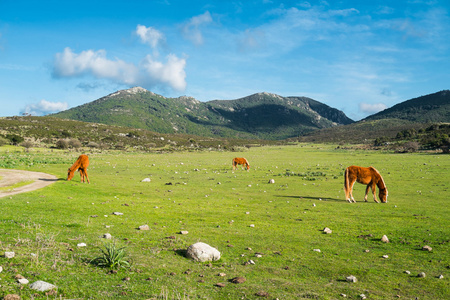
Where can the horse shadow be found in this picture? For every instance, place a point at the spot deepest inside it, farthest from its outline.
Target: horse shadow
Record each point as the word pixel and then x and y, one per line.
pixel 299 197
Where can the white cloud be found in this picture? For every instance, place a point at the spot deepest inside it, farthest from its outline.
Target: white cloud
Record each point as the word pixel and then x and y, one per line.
pixel 150 35
pixel 149 73
pixel 44 107
pixel 371 108
pixel 191 30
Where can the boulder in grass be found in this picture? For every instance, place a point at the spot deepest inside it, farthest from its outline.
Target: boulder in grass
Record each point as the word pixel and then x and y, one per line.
pixel 202 252
pixel 42 286
pixel 385 239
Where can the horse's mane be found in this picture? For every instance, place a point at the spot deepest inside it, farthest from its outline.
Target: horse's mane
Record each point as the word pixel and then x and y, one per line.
pixel 380 181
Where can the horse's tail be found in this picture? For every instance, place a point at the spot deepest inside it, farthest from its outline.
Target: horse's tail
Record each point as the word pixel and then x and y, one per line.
pixel 346 183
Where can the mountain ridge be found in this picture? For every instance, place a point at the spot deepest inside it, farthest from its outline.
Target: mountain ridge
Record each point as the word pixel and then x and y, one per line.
pixel 258 116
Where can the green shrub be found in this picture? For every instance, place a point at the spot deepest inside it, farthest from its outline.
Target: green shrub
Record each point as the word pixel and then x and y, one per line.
pixel 112 257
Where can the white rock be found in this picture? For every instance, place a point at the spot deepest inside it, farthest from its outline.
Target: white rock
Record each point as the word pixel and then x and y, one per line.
pixel 252 225
pixel 422 275
pixel 385 239
pixel 385 256
pixel 317 250
pixel 327 230
pixel 9 254
pixel 107 236
pixel 184 232
pixel 407 272
pixel 42 286
pixel 144 227
pixel 362 296
pixel 440 276
pixel 202 252
pixel 81 245
pixel 23 281
pixel 272 181
pixel 351 278
pixel 117 213
pixel 146 180
pixel 1 269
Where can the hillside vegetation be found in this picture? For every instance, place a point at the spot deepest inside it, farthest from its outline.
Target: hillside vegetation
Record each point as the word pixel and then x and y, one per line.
pixel 259 116
pixel 61 133
pixel 432 108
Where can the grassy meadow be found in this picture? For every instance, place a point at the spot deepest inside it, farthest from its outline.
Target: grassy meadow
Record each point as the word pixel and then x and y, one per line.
pixel 240 213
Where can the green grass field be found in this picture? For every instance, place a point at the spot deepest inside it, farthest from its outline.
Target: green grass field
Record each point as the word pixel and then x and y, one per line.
pixel 198 192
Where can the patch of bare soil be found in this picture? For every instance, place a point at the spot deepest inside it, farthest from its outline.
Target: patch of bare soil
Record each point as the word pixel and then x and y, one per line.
pixel 11 177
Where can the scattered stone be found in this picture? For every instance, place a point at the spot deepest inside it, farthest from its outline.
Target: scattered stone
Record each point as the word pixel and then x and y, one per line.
pixel 1 269
pixel 144 227
pixel 272 181
pixel 247 212
pixel 221 274
pixel 262 294
pixel 117 213
pixel 407 272
pixel 343 295
pixel 252 225
pixel 238 280
pixel 9 254
pixel 146 180
pixel 251 262
pixel 18 276
pixel 327 230
pixel 42 286
pixel 351 278
pixel 385 239
pixel 107 236
pixel 184 232
pixel 427 248
pixel 385 256
pixel 258 255
pixel 81 245
pixel 314 205
pixel 367 250
pixel 220 284
pixel 202 252
pixel 126 279
pixel 23 281
pixel 94 216
pixel 362 296
pixel 421 275
pixel 11 297
pixel 248 248
pixel 440 277
pixel 317 250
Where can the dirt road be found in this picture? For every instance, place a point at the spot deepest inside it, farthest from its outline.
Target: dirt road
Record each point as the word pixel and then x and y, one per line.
pixel 11 177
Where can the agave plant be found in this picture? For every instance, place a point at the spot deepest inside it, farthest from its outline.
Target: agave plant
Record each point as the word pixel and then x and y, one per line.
pixel 112 257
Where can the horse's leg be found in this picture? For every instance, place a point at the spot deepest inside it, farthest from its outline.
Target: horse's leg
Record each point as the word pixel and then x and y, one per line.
pixel 367 192
pixel 373 192
pixel 81 175
pixel 352 183
pixel 86 175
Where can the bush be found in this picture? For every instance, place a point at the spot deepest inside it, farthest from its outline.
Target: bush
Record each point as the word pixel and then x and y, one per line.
pixel 3 141
pixel 62 144
pixel 112 257
pixel 26 144
pixel 74 143
pixel 15 139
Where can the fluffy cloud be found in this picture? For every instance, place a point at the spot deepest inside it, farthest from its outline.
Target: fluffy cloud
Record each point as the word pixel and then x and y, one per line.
pixel 44 107
pixel 191 30
pixel 371 108
pixel 150 35
pixel 148 73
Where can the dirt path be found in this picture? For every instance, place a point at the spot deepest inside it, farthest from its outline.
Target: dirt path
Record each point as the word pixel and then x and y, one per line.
pixel 11 177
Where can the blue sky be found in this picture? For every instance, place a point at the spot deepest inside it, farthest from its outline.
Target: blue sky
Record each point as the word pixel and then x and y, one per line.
pixel 356 56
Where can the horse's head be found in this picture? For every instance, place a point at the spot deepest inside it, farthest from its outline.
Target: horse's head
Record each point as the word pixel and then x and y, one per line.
pixel 69 174
pixel 248 167
pixel 383 195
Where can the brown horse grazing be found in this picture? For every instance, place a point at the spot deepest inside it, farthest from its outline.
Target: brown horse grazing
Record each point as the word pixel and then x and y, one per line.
pixel 81 165
pixel 240 161
pixel 369 176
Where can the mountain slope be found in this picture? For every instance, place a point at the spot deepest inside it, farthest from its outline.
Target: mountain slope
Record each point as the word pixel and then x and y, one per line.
pixel 425 109
pixel 262 115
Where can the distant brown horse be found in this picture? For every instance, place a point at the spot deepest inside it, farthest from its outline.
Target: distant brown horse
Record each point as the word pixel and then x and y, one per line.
pixel 240 161
pixel 369 176
pixel 81 165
